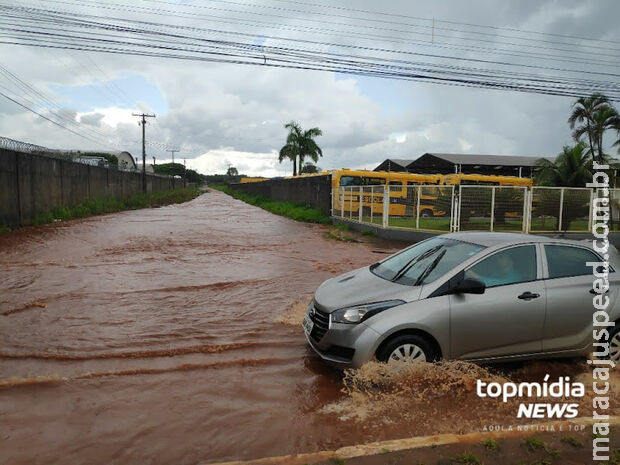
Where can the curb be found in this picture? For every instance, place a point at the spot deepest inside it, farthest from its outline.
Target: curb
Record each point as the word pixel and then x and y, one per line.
pixel 395 445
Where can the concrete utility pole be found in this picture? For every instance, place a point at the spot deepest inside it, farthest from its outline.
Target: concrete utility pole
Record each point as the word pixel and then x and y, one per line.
pixel 172 152
pixel 153 162
pixel 142 122
pixel 184 174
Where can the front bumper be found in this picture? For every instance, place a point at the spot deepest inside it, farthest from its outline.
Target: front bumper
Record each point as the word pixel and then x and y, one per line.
pixel 344 345
pixel 332 359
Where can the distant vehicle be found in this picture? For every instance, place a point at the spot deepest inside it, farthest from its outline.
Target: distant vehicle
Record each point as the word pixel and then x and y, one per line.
pixel 92 161
pixel 433 201
pixel 469 296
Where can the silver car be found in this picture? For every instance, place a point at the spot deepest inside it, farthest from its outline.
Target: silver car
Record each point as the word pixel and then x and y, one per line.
pixel 469 296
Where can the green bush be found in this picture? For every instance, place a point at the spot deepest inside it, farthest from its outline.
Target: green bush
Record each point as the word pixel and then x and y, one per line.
pixel 113 204
pixel 295 211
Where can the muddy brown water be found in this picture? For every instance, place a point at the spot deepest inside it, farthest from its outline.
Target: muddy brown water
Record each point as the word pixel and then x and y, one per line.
pixel 172 335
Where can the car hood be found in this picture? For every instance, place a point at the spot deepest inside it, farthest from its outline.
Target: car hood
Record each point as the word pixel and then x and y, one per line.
pixel 360 287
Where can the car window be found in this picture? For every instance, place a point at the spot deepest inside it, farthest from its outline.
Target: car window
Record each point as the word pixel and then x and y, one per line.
pixel 510 266
pixel 564 260
pixel 425 261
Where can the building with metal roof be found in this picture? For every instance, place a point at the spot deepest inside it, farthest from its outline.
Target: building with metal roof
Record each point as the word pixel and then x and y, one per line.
pixel 446 163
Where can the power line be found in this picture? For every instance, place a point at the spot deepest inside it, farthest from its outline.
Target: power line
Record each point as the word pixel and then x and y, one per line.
pixel 48 119
pixel 399 15
pixel 547 57
pixel 374 20
pixel 399 39
pixel 320 61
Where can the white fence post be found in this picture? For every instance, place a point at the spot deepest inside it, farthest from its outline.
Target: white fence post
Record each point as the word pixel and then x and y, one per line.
pixel 492 206
pixel 561 208
pixel 524 225
pixel 386 205
pixel 460 207
pixel 361 203
pixel 372 201
pixel 591 212
pixel 342 202
pixel 351 203
pixel 417 208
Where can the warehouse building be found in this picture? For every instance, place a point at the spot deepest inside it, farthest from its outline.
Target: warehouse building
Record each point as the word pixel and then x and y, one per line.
pixel 446 163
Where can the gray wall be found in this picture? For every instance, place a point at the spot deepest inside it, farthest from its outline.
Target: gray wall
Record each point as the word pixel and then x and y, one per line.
pixel 32 184
pixel 314 190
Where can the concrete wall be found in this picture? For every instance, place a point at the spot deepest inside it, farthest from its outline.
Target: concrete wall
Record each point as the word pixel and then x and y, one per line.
pixel 31 185
pixel 315 190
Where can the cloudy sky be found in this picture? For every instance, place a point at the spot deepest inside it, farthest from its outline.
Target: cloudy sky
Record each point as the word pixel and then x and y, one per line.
pixel 219 114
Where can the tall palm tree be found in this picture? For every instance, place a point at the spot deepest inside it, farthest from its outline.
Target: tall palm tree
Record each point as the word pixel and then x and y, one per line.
pixel 299 145
pixel 289 152
pixel 582 120
pixel 604 119
pixel 571 168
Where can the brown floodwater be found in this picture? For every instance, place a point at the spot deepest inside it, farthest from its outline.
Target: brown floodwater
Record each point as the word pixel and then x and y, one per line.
pixel 172 335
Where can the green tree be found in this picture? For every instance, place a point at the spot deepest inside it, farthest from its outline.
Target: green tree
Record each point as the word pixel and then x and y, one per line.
pixel 603 120
pixel 170 169
pixel 586 121
pixel 310 168
pixel 232 172
pixel 299 145
pixel 571 168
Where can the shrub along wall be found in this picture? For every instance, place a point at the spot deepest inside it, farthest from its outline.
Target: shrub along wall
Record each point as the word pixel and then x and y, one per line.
pixel 31 185
pixel 315 191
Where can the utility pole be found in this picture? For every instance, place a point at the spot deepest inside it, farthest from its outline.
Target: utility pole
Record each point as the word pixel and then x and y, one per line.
pixel 172 152
pixel 184 174
pixel 142 122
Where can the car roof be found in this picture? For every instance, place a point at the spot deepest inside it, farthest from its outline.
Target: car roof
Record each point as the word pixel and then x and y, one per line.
pixel 491 239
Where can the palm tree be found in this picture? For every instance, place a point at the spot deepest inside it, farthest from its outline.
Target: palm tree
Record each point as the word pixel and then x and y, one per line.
pixel 604 119
pixel 584 111
pixel 571 168
pixel 289 152
pixel 299 145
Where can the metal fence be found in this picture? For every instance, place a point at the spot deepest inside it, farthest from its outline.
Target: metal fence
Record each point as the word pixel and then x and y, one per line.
pixel 469 207
pixel 90 157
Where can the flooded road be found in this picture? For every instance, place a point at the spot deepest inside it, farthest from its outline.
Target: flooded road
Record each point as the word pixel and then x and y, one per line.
pixel 172 335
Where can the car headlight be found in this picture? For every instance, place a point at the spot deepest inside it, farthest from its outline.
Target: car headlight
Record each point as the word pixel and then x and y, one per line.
pixel 358 313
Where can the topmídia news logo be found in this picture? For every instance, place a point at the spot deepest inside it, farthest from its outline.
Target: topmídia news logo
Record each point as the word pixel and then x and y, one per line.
pixel 540 400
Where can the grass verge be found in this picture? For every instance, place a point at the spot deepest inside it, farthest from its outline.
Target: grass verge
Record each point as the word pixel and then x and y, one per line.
pixel 295 211
pixel 111 205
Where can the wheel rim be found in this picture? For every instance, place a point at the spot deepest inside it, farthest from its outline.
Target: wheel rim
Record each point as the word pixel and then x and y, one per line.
pixel 407 353
pixel 614 348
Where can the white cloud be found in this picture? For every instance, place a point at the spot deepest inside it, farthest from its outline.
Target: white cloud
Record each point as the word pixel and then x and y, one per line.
pixel 220 114
pixel 465 146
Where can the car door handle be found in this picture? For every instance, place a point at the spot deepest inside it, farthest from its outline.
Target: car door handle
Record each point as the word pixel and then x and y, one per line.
pixel 528 296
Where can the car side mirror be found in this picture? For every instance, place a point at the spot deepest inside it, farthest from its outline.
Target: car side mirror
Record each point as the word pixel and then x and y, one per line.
pixel 469 286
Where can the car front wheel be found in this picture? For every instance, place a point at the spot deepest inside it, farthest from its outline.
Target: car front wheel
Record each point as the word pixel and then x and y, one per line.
pixel 407 348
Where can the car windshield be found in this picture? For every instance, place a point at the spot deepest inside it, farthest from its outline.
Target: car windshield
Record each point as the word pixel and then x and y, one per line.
pixel 425 262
